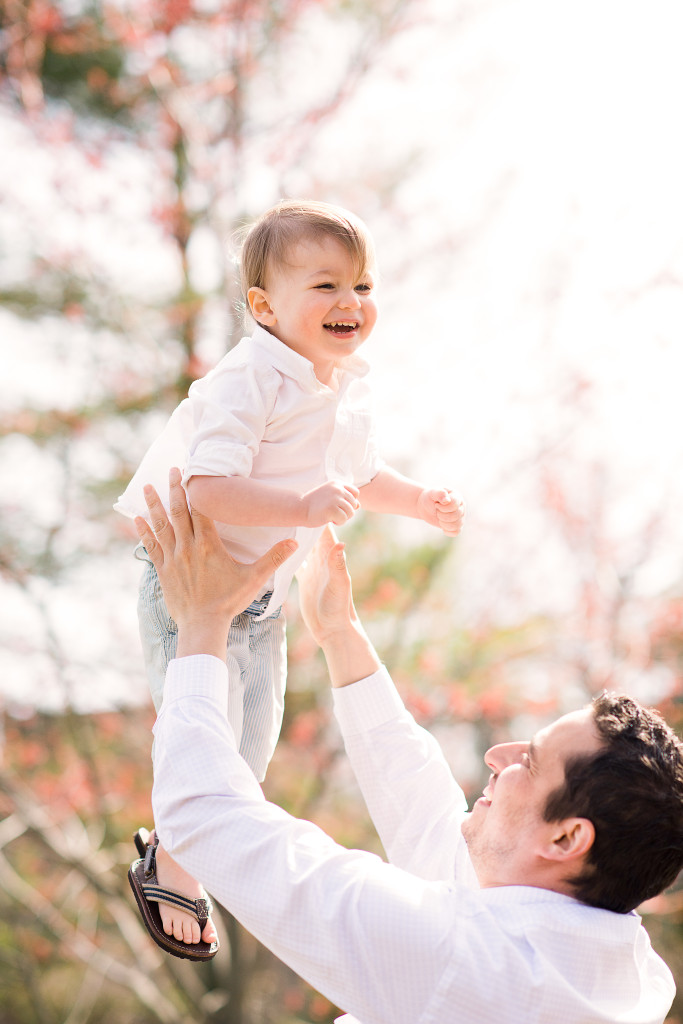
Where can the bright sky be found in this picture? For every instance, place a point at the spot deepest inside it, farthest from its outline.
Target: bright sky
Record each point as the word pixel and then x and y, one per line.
pixel 535 246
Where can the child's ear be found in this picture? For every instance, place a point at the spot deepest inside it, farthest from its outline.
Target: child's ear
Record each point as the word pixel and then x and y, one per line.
pixel 259 304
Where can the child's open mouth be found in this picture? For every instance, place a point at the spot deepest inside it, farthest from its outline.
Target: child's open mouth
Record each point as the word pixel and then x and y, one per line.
pixel 341 327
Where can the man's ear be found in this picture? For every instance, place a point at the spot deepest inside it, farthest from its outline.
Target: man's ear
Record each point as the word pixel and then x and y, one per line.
pixel 259 304
pixel 571 838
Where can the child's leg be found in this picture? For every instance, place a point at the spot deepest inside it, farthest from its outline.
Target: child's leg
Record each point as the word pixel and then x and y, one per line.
pixel 264 680
pixel 158 631
pixel 159 637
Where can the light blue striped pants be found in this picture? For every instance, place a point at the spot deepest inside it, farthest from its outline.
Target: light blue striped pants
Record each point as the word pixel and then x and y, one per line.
pixel 256 658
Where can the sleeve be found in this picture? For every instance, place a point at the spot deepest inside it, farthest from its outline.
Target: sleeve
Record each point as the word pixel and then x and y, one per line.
pixel 230 406
pixel 415 803
pixel 167 450
pixel 373 939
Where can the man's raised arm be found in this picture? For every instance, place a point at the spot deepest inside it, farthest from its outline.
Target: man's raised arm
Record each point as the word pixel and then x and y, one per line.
pixel 327 606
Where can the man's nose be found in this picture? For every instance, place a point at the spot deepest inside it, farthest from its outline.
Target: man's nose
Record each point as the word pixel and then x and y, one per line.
pixel 504 754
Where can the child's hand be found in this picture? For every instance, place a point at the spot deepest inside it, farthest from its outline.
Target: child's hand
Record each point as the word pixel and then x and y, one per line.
pixel 331 502
pixel 441 508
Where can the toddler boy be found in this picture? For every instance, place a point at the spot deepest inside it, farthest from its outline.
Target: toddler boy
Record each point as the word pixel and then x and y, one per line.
pixel 276 441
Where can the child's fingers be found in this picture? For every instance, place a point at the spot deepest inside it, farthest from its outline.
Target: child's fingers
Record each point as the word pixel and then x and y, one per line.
pixel 352 497
pixel 342 509
pixel 451 529
pixel 450 514
pixel 450 522
pixel 342 514
pixel 448 499
pixel 452 510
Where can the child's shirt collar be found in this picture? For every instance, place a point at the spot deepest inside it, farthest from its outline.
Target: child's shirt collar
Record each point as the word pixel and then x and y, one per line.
pixel 287 361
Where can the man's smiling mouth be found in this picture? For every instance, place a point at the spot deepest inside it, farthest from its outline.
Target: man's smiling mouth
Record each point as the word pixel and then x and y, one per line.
pixel 342 326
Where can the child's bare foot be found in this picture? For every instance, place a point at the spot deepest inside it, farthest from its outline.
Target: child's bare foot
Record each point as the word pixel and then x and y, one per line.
pixel 176 922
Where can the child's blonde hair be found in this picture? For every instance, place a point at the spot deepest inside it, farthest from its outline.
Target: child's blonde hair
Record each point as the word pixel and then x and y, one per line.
pixel 268 240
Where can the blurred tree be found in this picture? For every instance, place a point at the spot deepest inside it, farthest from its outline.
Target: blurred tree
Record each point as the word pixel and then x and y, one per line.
pixel 142 136
pixel 158 129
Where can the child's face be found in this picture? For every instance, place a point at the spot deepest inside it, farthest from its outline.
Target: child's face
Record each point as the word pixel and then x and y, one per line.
pixel 316 304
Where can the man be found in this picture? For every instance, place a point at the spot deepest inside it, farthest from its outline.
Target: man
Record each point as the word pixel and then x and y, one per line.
pixel 510 914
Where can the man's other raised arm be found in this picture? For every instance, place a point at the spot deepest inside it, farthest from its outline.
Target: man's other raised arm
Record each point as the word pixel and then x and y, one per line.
pixel 415 804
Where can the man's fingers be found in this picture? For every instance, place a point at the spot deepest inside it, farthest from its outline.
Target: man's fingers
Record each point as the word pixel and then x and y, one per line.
pixel 280 552
pixel 157 512
pixel 336 557
pixel 273 559
pixel 183 522
pixel 327 539
pixel 149 540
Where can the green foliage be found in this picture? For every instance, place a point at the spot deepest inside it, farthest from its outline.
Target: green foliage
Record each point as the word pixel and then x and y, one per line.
pixel 84 77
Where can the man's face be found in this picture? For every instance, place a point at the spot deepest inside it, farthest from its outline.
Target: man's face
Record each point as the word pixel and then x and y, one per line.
pixel 317 304
pixel 505 830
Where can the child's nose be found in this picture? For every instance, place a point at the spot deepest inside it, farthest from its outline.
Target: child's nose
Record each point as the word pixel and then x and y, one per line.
pixel 349 300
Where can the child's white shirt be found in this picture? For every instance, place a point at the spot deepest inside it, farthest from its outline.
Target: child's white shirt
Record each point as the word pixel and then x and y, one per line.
pixel 262 413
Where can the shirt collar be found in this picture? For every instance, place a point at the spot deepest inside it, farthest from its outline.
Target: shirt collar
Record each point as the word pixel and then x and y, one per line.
pixel 289 362
pixel 528 894
pixel 523 894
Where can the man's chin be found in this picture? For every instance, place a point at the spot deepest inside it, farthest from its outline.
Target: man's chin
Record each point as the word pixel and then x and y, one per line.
pixel 466 825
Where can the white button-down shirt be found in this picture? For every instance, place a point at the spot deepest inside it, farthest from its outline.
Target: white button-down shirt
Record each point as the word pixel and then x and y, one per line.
pixel 415 941
pixel 262 413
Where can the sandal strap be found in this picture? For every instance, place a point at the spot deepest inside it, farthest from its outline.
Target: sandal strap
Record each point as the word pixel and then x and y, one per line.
pixel 200 908
pixel 150 859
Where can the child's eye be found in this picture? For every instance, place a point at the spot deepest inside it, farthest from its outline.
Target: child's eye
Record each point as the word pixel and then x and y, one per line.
pixel 363 288
pixel 327 285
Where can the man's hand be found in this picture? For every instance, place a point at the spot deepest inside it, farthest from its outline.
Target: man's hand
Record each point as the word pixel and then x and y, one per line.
pixel 204 587
pixel 325 596
pixel 326 602
pixel 441 508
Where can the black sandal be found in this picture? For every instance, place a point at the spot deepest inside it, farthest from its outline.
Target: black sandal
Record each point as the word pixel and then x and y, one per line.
pixel 142 876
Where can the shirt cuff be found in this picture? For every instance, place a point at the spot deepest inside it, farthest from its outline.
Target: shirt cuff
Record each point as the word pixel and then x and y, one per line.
pixel 366 704
pixel 197 675
pixel 219 460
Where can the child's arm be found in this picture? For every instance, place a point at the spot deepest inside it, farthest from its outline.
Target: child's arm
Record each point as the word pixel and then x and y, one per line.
pixel 241 501
pixel 389 491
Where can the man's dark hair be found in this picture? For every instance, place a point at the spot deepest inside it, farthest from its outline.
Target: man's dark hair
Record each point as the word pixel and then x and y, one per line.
pixel 632 792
